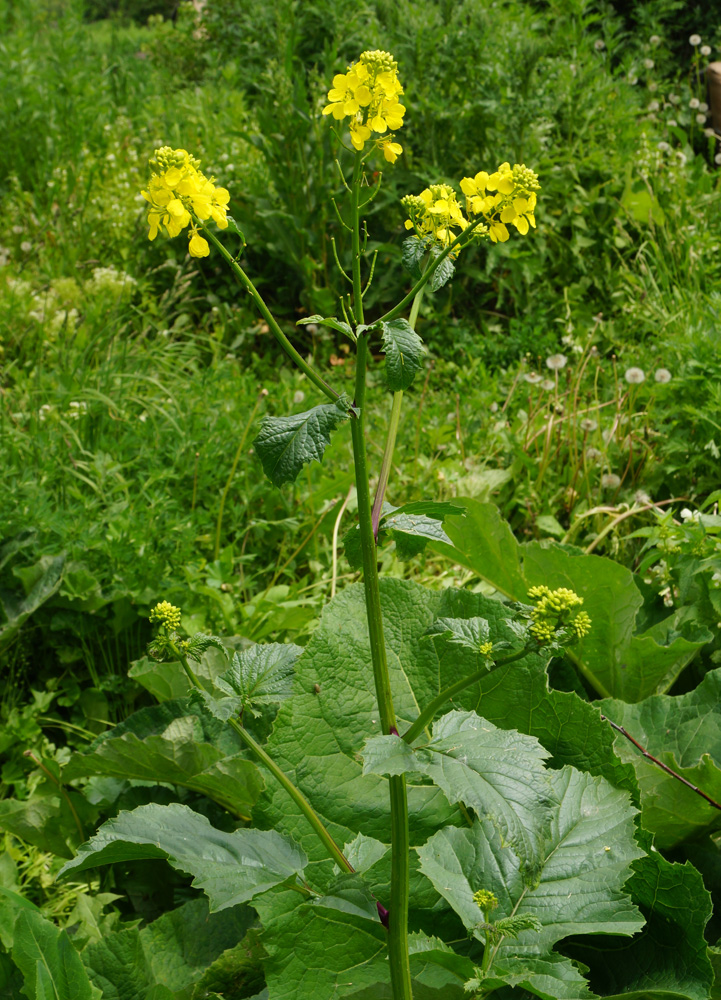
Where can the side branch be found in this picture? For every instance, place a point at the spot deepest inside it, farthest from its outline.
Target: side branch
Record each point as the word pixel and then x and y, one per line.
pixel 659 763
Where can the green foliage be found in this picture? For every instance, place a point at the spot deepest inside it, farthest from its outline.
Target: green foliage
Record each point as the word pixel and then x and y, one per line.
pixel 286 444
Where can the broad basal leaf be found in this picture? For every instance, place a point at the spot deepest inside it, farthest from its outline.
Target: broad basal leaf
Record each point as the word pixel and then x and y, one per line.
pixel 669 960
pixel 261 674
pixel 586 862
pixel 50 965
pixel 285 444
pixel 683 732
pixel 404 351
pixel 174 951
pixel 156 744
pixel 498 773
pixel 613 658
pixel 230 867
pixel 316 950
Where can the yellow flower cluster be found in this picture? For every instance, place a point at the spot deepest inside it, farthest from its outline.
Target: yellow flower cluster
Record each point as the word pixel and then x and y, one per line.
pixel 166 614
pixel 435 212
pixel 553 611
pixel 485 900
pixel 177 192
pixel 506 196
pixel 368 95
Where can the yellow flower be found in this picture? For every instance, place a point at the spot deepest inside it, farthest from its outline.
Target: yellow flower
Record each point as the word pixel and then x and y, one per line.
pixel 368 95
pixel 165 614
pixel 435 212
pixel 177 191
pixel 513 203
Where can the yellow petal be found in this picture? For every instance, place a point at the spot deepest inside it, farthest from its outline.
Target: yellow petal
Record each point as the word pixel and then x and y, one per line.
pixel 198 247
pixel 521 224
pixel 508 214
pixel 468 187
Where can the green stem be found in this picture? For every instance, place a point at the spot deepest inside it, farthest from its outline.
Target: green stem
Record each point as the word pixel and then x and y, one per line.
pixel 458 242
pixel 219 524
pixel 398 958
pixel 300 800
pixel 446 694
pixel 267 315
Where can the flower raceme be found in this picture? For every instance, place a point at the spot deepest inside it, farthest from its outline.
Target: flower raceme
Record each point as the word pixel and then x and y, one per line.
pixel 507 196
pixel 179 191
pixel 368 95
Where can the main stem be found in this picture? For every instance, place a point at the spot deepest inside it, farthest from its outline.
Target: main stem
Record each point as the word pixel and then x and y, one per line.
pixel 400 845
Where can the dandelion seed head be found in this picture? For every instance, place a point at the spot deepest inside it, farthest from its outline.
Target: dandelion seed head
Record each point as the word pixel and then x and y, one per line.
pixel 700 119
pixel 694 103
pixel 705 50
pixel 599 44
pixel 662 375
pixel 548 384
pixel 532 377
pixel 556 362
pixel 610 481
pixel 694 40
pixel 654 40
pixel 648 63
pixel 593 454
pixel 635 376
pixel 589 425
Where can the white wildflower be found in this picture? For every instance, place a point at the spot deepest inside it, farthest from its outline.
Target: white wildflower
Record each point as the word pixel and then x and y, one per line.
pixel 662 375
pixel 694 40
pixel 705 50
pixel 694 103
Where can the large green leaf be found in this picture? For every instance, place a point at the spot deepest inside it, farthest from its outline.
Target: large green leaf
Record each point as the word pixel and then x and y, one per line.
pixel 551 977
pixel 285 444
pixel 669 960
pixel 580 885
pixel 317 950
pixel 230 867
pixel 319 732
pixel 499 773
pixel 404 352
pixel 683 732
pixel 50 965
pixel 175 951
pixel 154 746
pixel 613 659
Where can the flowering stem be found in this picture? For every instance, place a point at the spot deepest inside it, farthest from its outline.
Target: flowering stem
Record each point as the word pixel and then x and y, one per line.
pixel 400 844
pixel 267 315
pixel 458 242
pixel 300 800
pixel 446 694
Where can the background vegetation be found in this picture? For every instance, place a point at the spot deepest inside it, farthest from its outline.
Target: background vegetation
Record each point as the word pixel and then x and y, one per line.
pixel 132 377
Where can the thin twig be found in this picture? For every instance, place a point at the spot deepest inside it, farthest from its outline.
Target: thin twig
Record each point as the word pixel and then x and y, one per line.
pixel 659 763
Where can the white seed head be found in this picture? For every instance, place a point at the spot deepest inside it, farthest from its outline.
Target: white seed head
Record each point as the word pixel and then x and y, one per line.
pixel 556 362
pixel 662 375
pixel 694 40
pixel 610 481
pixel 635 376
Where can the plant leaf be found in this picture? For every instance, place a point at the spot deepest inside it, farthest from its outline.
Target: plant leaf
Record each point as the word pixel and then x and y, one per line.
pixel 499 773
pixel 285 444
pixel 412 252
pixel 580 883
pixel 230 867
pixel 444 272
pixel 669 961
pixel 471 633
pixel 683 732
pixel 552 977
pixel 332 322
pixel 404 352
pixel 155 746
pixel 262 674
pixel 50 965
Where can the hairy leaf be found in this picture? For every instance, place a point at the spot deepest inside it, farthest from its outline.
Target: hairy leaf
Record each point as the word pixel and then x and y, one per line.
pixel 412 253
pixel 669 960
pixel 551 977
pixel 472 633
pixel 443 273
pixel 404 351
pixel 261 674
pixel 230 867
pixel 498 773
pixel 285 444
pixel 586 862
pixel 332 322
